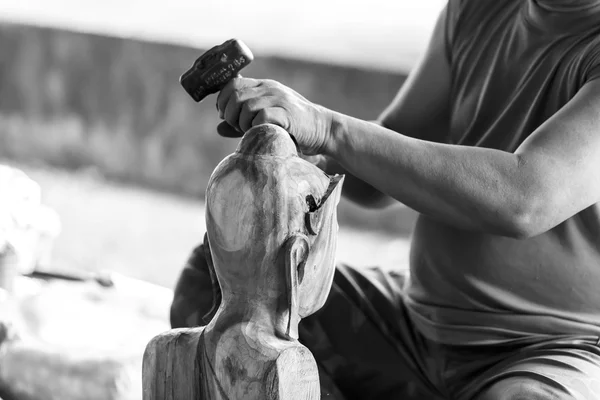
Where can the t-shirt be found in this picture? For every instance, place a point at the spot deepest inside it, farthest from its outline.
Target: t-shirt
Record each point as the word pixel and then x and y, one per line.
pixel 514 64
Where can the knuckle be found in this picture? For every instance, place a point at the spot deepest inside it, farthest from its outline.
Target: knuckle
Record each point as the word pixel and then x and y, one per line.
pixel 288 98
pixel 252 105
pixel 287 124
pixel 245 125
pixel 236 82
pixel 245 106
pixel 237 96
pixel 247 110
pixel 271 83
pixel 260 118
pixel 230 115
pixel 263 114
pixel 269 115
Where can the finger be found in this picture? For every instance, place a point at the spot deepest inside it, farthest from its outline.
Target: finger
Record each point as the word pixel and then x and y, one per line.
pixel 232 110
pixel 234 106
pixel 246 116
pixel 317 159
pixel 277 116
pixel 223 97
pixel 250 108
pixel 233 85
pixel 226 130
pixel 273 115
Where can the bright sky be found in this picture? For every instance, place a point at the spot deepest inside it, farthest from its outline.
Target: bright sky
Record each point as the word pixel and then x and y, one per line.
pixel 379 34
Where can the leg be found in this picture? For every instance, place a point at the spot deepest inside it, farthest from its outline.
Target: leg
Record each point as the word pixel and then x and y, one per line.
pixel 194 292
pixel 554 370
pixel 363 340
pixel 523 388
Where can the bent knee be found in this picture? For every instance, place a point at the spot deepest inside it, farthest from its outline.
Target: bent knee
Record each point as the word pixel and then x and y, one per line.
pixel 524 388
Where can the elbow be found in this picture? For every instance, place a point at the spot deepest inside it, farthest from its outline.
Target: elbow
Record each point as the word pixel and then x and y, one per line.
pixel 521 227
pixel 376 202
pixel 528 206
pixel 528 218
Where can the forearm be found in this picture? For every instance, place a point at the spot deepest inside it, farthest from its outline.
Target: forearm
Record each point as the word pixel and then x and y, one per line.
pixel 467 187
pixel 355 189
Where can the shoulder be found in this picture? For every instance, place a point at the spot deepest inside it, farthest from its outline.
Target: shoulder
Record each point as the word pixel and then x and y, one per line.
pixel 475 7
pixel 170 363
pixel 180 344
pixel 468 21
pixel 185 337
pixel 591 65
pixel 475 13
pixel 293 375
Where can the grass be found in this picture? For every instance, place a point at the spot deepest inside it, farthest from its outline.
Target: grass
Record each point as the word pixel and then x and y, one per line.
pixel 148 235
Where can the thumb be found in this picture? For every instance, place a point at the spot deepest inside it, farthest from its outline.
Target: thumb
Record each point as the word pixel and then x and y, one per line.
pixel 317 160
pixel 226 130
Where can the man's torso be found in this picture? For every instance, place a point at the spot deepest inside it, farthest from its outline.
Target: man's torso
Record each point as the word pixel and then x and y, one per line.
pixel 511 71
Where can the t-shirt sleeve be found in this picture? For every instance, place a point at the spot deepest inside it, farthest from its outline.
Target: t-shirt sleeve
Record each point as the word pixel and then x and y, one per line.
pixel 592 70
pixel 452 11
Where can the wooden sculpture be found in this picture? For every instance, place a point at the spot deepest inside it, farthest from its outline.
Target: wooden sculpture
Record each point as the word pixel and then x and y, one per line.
pixel 272 232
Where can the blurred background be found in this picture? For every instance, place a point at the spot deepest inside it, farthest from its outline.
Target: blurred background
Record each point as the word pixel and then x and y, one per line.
pixel 91 109
pixel 92 112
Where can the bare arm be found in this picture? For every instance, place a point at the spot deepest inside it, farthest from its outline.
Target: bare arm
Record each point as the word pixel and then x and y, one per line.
pixel 420 110
pixel 550 177
pixel 355 189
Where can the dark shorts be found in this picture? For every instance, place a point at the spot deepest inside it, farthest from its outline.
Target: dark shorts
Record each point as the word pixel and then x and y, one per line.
pixel 367 348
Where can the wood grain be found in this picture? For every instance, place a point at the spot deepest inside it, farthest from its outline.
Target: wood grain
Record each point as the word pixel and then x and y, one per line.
pixel 272 233
pixel 170 358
